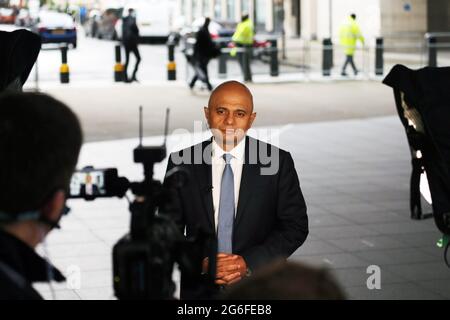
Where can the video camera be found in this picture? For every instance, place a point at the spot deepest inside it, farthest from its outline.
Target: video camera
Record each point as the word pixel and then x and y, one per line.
pixel 143 259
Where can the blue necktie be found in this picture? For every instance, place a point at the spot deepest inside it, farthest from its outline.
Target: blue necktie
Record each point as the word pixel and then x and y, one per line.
pixel 226 208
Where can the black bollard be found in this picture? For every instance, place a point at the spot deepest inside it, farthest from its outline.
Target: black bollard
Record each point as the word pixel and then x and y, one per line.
pixel 274 70
pixel 432 52
pixel 171 65
pixel 379 59
pixel 223 60
pixel 119 71
pixel 327 57
pixel 64 75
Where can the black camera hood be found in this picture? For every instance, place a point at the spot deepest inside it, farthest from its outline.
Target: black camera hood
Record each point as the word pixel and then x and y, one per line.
pixel 427 91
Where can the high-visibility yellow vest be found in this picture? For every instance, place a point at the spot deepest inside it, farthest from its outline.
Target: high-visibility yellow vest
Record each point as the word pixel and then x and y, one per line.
pixel 244 33
pixel 349 34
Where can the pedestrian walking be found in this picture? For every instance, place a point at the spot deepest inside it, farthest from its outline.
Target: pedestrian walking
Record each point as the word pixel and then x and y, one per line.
pixel 130 40
pixel 349 34
pixel 204 50
pixel 243 39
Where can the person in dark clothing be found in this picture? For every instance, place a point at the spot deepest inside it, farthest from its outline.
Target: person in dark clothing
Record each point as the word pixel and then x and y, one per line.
pixel 43 138
pixel 287 280
pixel 204 50
pixel 130 40
pixel 18 53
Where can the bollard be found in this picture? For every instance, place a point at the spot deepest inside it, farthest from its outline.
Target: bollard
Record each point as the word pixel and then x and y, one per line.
pixel 379 59
pixel 327 57
pixel 223 60
pixel 274 70
pixel 171 65
pixel 119 70
pixel 432 52
pixel 64 75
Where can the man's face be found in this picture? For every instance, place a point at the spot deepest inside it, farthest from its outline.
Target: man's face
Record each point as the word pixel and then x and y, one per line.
pixel 230 114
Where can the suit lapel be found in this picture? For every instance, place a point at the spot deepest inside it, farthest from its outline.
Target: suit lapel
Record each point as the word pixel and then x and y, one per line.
pixel 203 172
pixel 250 172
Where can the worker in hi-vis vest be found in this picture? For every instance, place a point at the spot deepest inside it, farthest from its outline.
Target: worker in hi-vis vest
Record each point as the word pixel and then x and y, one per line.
pixel 349 34
pixel 243 40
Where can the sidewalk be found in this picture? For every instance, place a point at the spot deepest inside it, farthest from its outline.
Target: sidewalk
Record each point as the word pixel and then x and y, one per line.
pixel 110 111
pixel 355 178
pixel 308 55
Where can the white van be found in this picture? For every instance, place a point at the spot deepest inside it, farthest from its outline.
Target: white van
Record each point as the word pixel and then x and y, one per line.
pixel 153 18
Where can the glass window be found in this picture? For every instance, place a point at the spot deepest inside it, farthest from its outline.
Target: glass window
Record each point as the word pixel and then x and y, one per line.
pixel 195 9
pixel 278 15
pixel 182 7
pixel 217 9
pixel 230 10
pixel 245 6
pixel 260 14
pixel 206 8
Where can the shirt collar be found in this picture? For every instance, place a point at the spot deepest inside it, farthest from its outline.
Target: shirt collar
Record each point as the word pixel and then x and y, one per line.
pixel 237 152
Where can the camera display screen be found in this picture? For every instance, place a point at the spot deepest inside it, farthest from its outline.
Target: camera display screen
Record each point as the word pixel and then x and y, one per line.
pixel 88 184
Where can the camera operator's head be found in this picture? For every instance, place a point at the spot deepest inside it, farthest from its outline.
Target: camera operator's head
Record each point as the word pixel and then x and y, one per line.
pixel 40 139
pixel 289 280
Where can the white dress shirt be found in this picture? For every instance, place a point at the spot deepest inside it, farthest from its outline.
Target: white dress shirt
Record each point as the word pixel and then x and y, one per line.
pixel 218 165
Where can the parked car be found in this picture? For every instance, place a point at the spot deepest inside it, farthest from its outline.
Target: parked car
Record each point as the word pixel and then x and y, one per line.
pixel 102 25
pixel 55 27
pixel 7 16
pixel 24 19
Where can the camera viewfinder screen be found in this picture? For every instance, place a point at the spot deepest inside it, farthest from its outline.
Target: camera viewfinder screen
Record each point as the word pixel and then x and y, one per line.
pixel 88 184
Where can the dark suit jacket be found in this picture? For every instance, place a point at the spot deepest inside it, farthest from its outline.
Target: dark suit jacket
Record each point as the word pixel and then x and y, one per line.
pixel 205 48
pixel 271 220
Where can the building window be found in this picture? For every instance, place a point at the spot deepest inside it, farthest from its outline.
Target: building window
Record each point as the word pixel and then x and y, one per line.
pixel 217 9
pixel 182 7
pixel 278 16
pixel 245 6
pixel 230 10
pixel 205 8
pixel 260 14
pixel 195 7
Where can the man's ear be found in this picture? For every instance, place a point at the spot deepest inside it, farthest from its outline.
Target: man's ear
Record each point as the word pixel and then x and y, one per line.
pixel 53 209
pixel 252 118
pixel 206 110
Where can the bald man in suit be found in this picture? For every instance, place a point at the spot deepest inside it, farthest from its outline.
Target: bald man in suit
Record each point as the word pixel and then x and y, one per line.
pixel 242 190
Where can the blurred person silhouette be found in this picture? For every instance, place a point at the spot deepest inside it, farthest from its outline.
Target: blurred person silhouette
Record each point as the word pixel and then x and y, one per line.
pixel 18 53
pixel 130 40
pixel 43 138
pixel 349 34
pixel 289 280
pixel 243 40
pixel 204 50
